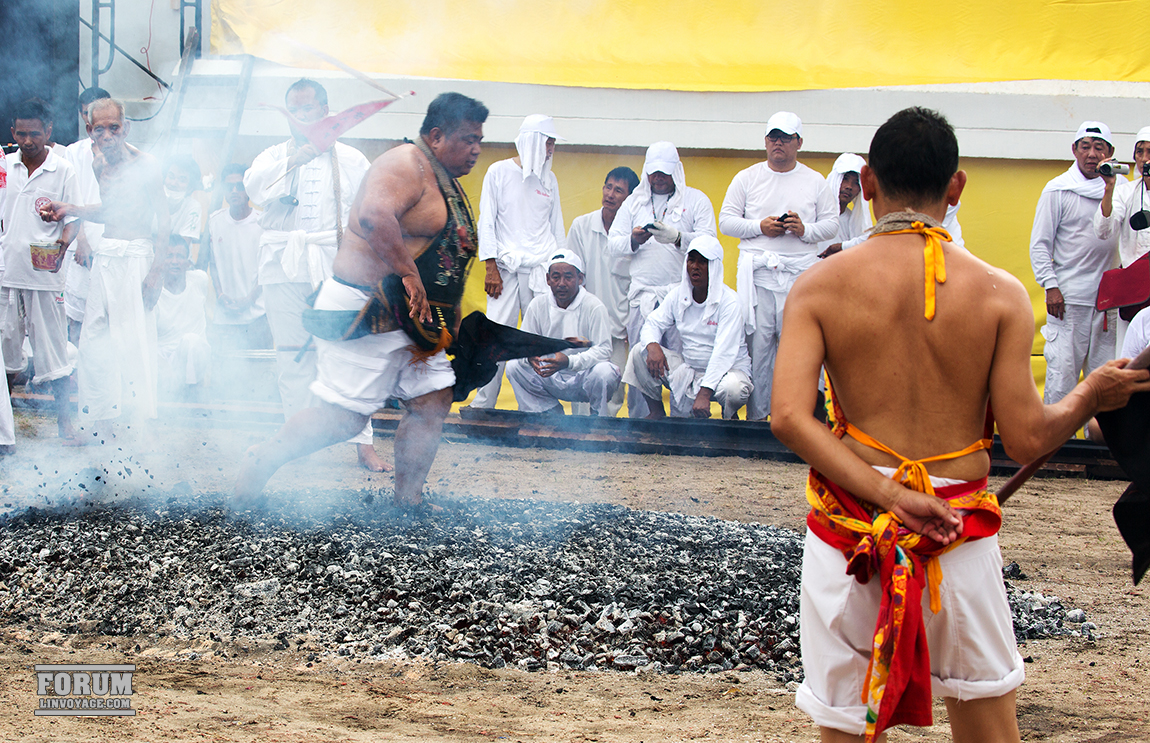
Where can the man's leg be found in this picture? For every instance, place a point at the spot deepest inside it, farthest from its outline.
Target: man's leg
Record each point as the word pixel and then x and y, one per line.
pixel 763 345
pixel 1061 366
pixel 416 442
pixel 7 421
pixel 636 402
pixel 830 735
pixel 993 720
pixel 504 310
pixel 1103 338
pixel 732 392
pixel 308 431
pixel 532 392
pixel 599 385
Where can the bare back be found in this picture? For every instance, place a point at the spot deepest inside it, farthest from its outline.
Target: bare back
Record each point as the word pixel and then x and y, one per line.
pixel 130 192
pixel 398 204
pixel 919 386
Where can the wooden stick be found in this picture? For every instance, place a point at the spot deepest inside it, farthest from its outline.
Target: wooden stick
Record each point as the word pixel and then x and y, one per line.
pixel 1141 361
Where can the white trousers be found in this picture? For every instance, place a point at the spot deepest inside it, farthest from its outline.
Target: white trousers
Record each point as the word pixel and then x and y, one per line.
pixel 764 346
pixel 40 315
pixel 732 391
pixel 506 309
pixel 7 422
pixel 1075 344
pixel 537 394
pixel 117 352
pixel 285 304
pixel 636 404
pixel 188 361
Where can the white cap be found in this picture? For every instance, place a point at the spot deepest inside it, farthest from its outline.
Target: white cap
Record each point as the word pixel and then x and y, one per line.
pixel 1102 132
pixel 568 257
pixel 848 162
pixel 541 123
pixel 1143 135
pixel 662 157
pixel 786 122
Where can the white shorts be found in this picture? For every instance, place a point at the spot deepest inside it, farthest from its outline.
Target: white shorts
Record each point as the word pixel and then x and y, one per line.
pixel 361 374
pixel 973 654
pixel 39 314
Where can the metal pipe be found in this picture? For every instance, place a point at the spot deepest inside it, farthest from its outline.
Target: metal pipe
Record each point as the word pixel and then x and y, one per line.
pixel 96 33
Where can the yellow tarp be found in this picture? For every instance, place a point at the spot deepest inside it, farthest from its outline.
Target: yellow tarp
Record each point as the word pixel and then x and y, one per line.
pixel 704 46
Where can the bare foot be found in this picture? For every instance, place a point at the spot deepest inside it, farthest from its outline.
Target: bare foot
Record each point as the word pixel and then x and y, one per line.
pixel 369 459
pixel 255 474
pixel 7 449
pixel 82 438
pixel 656 415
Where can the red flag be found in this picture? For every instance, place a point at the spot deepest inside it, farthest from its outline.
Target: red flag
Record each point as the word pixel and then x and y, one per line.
pixel 323 133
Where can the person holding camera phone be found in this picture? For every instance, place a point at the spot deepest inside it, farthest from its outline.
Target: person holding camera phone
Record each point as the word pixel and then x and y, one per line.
pixel 1123 213
pixel 1068 260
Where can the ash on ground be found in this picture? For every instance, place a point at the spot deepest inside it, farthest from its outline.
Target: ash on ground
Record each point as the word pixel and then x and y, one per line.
pixel 526 583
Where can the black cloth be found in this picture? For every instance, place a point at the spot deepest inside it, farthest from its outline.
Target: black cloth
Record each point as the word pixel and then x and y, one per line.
pixel 1127 433
pixel 482 343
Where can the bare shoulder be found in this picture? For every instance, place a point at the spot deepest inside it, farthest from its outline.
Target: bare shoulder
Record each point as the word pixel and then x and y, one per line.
pixel 400 174
pixel 404 161
pixel 991 282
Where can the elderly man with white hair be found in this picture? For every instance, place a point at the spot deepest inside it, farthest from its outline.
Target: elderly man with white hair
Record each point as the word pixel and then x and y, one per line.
pixel 1121 200
pixel 577 375
pixel 520 227
pixel 713 364
pixel 655 226
pixel 780 210
pixel 1068 260
pixel 845 182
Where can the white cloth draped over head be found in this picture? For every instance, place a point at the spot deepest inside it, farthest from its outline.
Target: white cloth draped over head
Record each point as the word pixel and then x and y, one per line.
pixel 1143 135
pixel 662 157
pixel 531 143
pixel 1073 180
pixel 711 249
pixel 849 162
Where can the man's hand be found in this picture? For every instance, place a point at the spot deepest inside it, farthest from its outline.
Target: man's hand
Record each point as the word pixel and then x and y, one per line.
pixel 1055 304
pixel 54 211
pixel 638 237
pixel 794 225
pixel 1113 384
pixel 773 226
pixel 545 366
pixel 702 406
pixel 831 250
pixel 492 281
pixel 656 361
pixel 304 154
pixel 1109 180
pixel 153 284
pixel 927 515
pixel 417 298
pixel 664 234
pixel 60 263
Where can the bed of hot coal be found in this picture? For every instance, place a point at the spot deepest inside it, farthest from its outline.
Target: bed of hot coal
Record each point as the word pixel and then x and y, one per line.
pixel 499 582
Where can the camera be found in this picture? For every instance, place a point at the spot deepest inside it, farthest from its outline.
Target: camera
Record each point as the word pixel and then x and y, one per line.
pixel 1113 168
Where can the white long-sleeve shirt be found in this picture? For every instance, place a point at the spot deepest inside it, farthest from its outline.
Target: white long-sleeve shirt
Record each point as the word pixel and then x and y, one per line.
pixel 759 192
pixel 713 346
pixel 655 264
pixel 520 219
pixel 1129 197
pixel 1064 251
pixel 585 317
pixel 20 222
pixel 266 181
pixel 235 248
pixel 606 275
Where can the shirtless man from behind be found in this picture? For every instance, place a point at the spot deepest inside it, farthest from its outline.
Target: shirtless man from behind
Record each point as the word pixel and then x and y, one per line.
pixel 117 368
pixel 914 368
pixel 409 205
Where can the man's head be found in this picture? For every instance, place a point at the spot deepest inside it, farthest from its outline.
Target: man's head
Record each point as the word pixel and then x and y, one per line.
pixel 565 276
pixel 1142 149
pixel 177 262
pixel 453 130
pixel 849 189
pixel 913 162
pixel 660 166
pixel 704 266
pixel 698 270
pixel 32 128
pixel 543 126
pixel 618 186
pixel 784 139
pixel 182 175
pixel 1092 145
pixel 107 125
pixel 306 100
pixel 232 181
pixel 88 97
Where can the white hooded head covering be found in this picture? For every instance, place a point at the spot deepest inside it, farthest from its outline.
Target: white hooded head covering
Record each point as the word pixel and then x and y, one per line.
pixel 860 220
pixel 662 157
pixel 531 143
pixel 710 248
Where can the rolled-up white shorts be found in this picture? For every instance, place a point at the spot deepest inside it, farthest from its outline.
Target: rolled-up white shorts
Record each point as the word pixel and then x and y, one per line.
pixel 973 654
pixel 361 374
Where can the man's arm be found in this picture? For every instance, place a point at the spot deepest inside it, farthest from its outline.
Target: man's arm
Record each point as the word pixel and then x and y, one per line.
pixel 154 281
pixel 826 223
pixel 389 191
pixel 801 353
pixel 488 247
pixel 598 330
pixel 619 237
pixel 266 180
pixel 1028 428
pixel 1046 221
pixel 733 220
pixel 1111 212
pixel 702 215
pixel 557 216
pixel 726 348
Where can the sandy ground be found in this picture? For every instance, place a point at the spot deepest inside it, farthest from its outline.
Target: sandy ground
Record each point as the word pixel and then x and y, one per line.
pixel 1060 531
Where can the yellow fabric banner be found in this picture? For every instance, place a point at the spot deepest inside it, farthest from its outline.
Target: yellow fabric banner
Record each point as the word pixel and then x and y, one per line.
pixel 702 46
